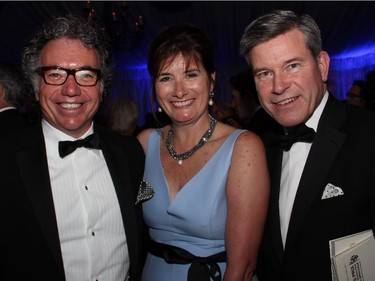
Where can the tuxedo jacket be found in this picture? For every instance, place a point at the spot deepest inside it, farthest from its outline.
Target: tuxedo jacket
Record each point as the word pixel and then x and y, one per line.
pixel 342 155
pixel 30 241
pixel 11 120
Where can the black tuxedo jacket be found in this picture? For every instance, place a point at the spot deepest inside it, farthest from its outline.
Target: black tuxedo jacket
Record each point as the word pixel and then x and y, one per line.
pixel 11 120
pixel 342 154
pixel 30 241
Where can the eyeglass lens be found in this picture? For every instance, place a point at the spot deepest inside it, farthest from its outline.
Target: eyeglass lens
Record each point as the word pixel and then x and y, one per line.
pixel 58 76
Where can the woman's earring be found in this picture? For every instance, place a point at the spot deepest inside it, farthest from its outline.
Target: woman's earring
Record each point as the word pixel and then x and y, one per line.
pixel 160 110
pixel 210 101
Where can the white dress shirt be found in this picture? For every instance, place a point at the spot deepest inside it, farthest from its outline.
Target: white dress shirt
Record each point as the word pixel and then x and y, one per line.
pixel 91 231
pixel 292 167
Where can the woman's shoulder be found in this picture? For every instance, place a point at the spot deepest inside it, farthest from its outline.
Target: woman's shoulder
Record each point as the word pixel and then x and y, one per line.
pixel 245 141
pixel 144 135
pixel 243 135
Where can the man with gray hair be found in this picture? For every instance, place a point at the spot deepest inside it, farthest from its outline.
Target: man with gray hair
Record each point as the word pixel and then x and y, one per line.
pixel 322 162
pixel 11 99
pixel 68 185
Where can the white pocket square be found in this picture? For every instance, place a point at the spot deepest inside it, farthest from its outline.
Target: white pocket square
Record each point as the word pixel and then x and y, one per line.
pixel 332 191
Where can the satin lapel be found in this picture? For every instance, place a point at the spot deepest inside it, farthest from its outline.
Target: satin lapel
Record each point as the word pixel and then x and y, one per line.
pixel 323 151
pixel 32 162
pixel 273 232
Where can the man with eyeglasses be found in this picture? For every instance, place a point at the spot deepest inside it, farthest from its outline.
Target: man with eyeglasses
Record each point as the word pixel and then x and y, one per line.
pixel 69 186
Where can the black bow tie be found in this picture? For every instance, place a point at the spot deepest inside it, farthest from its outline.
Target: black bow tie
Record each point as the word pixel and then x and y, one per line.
pixel 301 133
pixel 67 147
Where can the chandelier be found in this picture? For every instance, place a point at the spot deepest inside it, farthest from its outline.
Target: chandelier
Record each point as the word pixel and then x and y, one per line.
pixel 124 29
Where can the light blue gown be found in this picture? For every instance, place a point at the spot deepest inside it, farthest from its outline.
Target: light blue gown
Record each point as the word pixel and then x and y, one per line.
pixel 195 219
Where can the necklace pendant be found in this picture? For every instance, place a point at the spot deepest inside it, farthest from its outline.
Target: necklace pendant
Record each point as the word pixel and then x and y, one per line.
pixel 179 162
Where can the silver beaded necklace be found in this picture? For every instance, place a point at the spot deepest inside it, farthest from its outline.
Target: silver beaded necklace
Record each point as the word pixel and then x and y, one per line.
pixel 204 139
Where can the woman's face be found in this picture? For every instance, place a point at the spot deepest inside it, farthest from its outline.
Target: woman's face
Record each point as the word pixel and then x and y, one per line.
pixel 183 90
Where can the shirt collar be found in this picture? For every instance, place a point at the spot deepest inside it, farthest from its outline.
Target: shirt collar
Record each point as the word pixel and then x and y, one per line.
pixel 314 119
pixel 6 108
pixel 52 136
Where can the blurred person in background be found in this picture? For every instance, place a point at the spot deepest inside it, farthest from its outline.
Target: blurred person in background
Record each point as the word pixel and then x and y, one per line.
pixel 123 116
pixel 12 96
pixel 355 94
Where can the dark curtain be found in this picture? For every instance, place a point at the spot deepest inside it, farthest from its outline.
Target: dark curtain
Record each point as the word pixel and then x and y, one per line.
pixel 344 71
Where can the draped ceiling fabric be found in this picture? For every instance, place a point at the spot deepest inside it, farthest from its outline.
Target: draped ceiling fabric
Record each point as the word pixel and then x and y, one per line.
pixel 347 32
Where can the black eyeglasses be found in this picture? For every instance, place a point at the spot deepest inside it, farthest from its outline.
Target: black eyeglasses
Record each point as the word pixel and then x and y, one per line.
pixel 56 75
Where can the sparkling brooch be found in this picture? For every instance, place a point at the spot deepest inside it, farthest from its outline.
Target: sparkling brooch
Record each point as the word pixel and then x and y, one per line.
pixel 145 192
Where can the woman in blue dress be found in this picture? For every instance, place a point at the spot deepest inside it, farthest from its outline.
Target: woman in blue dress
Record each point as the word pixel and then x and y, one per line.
pixel 206 185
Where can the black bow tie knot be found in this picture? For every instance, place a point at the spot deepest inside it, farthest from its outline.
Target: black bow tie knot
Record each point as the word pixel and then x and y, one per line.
pixel 301 133
pixel 67 147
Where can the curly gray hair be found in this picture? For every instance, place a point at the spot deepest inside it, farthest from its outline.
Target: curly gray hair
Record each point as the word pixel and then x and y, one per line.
pixel 75 27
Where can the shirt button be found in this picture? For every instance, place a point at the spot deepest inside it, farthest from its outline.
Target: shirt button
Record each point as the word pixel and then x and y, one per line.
pixel 86 187
pixel 92 233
